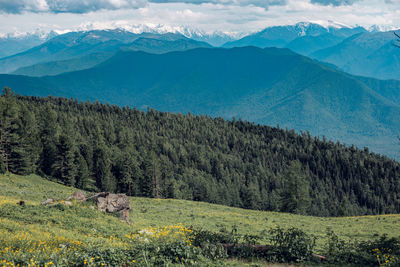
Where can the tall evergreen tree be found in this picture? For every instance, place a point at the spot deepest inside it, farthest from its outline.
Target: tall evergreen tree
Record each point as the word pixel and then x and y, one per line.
pixel 149 184
pixel 8 127
pixel 26 149
pixel 82 171
pixel 49 136
pixel 64 167
pixel 102 168
pixel 295 193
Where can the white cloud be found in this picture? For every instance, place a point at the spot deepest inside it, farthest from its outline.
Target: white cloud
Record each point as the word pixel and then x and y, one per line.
pixel 258 3
pixel 66 6
pixel 334 2
pixel 226 15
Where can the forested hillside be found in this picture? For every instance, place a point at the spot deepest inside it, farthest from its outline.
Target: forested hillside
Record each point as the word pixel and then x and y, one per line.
pixel 157 154
pixel 267 86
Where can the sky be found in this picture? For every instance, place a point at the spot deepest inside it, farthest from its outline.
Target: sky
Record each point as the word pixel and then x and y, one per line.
pixel 233 16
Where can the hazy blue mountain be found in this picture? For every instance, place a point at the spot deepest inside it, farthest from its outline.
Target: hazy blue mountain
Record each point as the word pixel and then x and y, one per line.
pixel 10 44
pixel 58 67
pixel 270 86
pixel 216 38
pixel 281 36
pixel 155 44
pixel 158 45
pixel 366 54
pixel 77 44
pixel 306 45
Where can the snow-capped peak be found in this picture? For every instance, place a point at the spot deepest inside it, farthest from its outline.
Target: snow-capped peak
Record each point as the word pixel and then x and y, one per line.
pixel 37 34
pixel 331 24
pixel 381 28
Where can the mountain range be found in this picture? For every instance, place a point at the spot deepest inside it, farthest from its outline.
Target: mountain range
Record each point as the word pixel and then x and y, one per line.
pixel 354 50
pixel 282 36
pixel 11 44
pixel 269 86
pixel 365 54
pixel 74 45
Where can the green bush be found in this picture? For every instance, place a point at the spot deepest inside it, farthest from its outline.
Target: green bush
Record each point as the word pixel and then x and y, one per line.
pixel 291 245
pixel 382 251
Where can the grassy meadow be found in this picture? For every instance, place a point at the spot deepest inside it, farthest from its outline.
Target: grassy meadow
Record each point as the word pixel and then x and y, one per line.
pixel 46 229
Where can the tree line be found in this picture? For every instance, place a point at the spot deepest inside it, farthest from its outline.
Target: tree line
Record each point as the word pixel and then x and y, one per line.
pixel 97 146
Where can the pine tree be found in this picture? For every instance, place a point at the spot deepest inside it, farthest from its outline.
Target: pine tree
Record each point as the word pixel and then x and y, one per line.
pixel 130 173
pixel 64 167
pixel 102 168
pixel 8 127
pixel 149 185
pixel 49 136
pixel 82 171
pixel 295 193
pixel 26 149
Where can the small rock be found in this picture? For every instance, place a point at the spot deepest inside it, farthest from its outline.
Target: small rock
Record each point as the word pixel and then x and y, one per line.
pixel 67 203
pixel 47 201
pixel 125 215
pixel 79 195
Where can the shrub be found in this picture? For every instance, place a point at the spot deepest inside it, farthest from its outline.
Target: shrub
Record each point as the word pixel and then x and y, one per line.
pixel 291 245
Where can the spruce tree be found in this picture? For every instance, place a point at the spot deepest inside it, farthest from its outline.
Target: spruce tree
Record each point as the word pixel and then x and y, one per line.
pixel 295 192
pixel 82 171
pixel 26 149
pixel 8 127
pixel 102 168
pixel 49 137
pixel 64 167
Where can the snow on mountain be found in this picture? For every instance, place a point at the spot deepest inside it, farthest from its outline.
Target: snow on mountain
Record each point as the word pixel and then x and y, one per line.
pixel 215 38
pixel 382 28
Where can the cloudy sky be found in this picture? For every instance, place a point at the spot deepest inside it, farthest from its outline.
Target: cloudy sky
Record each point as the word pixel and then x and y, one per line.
pixel 207 15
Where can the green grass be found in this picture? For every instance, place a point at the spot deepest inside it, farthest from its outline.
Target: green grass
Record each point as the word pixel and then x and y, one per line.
pixel 82 219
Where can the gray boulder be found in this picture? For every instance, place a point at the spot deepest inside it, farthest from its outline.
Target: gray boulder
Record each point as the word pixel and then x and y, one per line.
pixel 47 201
pixel 111 203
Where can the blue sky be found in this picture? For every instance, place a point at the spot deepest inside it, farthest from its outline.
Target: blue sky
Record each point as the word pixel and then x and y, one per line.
pixel 208 15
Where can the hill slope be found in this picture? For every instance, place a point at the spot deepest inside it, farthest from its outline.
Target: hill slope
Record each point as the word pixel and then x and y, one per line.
pixel 300 34
pixel 10 45
pixel 269 86
pixel 102 147
pixel 161 212
pixel 151 45
pixel 366 54
pixel 78 44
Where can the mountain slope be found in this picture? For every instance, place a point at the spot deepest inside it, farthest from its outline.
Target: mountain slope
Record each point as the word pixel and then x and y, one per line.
pixel 270 86
pixel 154 44
pixel 307 44
pixel 58 67
pixel 108 148
pixel 281 36
pixel 77 44
pixel 11 44
pixel 146 211
pixel 366 54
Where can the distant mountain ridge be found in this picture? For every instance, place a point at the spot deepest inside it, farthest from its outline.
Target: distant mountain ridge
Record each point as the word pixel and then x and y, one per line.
pixel 355 50
pixel 84 49
pixel 366 54
pixel 151 44
pixel 280 36
pixel 11 44
pixel 269 86
pixel 78 44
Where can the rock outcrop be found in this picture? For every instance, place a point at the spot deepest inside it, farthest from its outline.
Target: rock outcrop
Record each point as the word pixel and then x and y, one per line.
pixel 111 203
